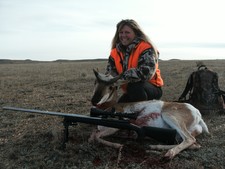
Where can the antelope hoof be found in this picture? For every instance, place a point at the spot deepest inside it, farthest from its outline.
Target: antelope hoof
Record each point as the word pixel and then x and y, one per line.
pixel 92 136
pixel 170 154
pixel 195 146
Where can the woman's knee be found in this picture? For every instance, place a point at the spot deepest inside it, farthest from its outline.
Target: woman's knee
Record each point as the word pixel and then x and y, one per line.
pixel 136 92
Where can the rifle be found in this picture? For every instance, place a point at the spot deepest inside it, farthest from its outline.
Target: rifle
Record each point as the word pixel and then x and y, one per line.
pixel 160 134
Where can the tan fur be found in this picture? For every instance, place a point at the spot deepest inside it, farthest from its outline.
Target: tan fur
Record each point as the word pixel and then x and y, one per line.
pixel 174 109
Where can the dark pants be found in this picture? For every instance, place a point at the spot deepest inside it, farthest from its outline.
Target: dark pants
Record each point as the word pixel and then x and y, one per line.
pixel 141 91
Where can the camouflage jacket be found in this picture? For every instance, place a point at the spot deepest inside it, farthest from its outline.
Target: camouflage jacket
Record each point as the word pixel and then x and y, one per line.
pixel 146 63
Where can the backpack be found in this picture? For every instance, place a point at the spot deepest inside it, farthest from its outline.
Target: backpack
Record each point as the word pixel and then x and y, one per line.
pixel 204 92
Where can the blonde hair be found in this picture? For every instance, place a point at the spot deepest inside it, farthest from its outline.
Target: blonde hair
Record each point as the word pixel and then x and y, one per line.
pixel 137 30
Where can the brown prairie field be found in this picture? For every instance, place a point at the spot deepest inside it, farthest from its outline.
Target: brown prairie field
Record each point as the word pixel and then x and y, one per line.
pixel 33 141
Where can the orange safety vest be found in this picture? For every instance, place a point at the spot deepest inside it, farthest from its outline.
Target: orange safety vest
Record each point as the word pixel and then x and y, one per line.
pixel 133 62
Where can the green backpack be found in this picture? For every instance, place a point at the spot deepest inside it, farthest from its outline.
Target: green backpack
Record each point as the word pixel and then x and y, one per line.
pixel 204 92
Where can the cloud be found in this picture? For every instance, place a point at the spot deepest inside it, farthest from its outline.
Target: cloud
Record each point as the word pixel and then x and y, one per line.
pixel 85 28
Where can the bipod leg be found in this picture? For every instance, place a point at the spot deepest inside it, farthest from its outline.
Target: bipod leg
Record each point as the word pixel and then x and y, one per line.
pixel 66 123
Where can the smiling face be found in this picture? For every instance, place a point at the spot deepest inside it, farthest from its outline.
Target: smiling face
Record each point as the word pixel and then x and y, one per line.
pixel 126 35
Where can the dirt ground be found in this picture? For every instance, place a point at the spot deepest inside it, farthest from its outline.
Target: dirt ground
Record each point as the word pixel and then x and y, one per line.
pixel 34 141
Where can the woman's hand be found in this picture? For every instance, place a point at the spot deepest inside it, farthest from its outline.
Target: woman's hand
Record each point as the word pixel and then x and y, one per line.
pixel 131 75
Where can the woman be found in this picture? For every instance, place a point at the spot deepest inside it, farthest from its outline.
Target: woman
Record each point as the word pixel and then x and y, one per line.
pixel 135 55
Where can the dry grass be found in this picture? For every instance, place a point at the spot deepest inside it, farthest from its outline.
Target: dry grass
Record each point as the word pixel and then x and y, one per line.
pixel 34 141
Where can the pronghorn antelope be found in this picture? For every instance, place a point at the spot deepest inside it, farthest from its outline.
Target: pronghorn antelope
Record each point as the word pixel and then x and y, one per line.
pixel 182 117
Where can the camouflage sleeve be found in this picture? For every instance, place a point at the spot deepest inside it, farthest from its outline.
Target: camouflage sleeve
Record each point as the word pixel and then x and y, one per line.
pixel 111 67
pixel 147 64
pixel 146 67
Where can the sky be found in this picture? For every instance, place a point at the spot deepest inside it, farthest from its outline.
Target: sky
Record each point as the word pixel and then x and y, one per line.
pixel 49 30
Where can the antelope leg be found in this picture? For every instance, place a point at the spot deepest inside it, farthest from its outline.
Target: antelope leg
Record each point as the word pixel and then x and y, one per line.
pixel 103 132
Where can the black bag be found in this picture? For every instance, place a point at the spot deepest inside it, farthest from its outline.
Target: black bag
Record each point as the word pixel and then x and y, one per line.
pixel 203 91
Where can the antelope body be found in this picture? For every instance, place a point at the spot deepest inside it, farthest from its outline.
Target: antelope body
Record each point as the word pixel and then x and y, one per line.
pixel 182 117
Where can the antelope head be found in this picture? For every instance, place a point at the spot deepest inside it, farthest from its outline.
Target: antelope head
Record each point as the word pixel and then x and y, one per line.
pixel 105 91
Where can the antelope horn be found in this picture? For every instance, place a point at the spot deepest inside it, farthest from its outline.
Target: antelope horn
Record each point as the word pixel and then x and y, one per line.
pixel 107 79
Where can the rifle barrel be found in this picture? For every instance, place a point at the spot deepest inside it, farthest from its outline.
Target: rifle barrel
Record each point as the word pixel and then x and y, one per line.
pixel 121 124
